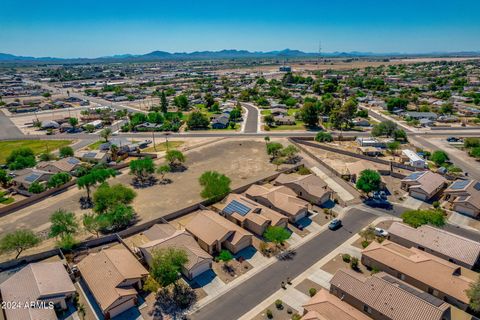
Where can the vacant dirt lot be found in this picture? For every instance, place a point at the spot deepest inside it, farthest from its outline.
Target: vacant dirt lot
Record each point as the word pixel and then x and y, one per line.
pixel 243 161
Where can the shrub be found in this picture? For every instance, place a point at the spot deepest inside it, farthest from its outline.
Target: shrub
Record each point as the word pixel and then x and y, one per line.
pixel 346 257
pixel 303 171
pixel 312 292
pixel 365 243
pixel 417 218
pixel 296 316
pixel 354 263
pixel 289 311
pixel 269 314
pixel 323 137
pixel 279 304
pixel 436 204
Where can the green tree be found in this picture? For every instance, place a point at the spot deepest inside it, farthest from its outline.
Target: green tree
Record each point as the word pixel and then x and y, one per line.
pixel 116 218
pixel 309 114
pixel 324 137
pixel 273 149
pixel 36 188
pixel 215 185
pixel 393 146
pixel 369 181
pixel 142 168
pixel 475 152
pixel 225 256
pixel 473 293
pixel 209 101
pixel 46 156
pixel 58 179
pixel 91 223
pixel 384 128
pixel 73 122
pixel 269 120
pixel 417 218
pixel 18 241
pixel 63 223
pixel 90 128
pixel 289 152
pixel 21 158
pixel 162 170
pixel 181 102
pixel 163 102
pixel 197 120
pixel 439 157
pixel 175 158
pixel 167 264
pixel 4 178
pixel 66 152
pixel 108 197
pixel 396 103
pixel 400 135
pixel 106 134
pixel 91 179
pixel 276 234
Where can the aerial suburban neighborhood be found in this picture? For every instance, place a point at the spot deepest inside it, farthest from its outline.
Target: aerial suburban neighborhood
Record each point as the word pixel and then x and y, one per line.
pixel 236 184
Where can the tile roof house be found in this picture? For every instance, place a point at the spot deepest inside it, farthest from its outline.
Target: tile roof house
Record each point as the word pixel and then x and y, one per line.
pixel 92 156
pixel 112 275
pixel 425 271
pixel 383 297
pixel 251 215
pixel 46 282
pixel 68 165
pixel 464 196
pixel 281 199
pixel 326 306
pixel 308 187
pixel 213 232
pixel 423 185
pixel 163 236
pixel 440 243
pixel 24 178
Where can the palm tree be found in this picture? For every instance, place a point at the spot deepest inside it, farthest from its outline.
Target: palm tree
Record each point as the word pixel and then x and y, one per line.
pixel 114 150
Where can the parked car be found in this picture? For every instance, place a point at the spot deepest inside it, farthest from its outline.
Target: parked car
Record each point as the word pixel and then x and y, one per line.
pixel 335 224
pixel 379 232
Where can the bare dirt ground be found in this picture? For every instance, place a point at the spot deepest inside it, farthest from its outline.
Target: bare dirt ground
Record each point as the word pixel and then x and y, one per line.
pixel 340 64
pixel 243 161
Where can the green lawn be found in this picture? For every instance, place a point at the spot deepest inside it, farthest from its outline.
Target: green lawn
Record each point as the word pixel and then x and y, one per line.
pixel 163 146
pixel 38 146
pixel 297 126
pixel 95 145
pixel 266 112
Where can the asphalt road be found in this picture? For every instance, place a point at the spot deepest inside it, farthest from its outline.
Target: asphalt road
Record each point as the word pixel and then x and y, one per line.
pixel 8 130
pixel 247 295
pixel 251 125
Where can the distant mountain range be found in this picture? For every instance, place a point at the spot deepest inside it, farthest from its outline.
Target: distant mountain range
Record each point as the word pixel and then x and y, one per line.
pixel 222 54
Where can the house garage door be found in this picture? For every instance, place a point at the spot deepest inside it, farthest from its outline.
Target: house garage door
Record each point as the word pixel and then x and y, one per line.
pixel 465 210
pixel 300 216
pixel 418 195
pixel 122 307
pixel 200 269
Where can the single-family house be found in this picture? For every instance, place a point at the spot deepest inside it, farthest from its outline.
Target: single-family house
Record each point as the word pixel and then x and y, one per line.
pixel 113 276
pixel 250 215
pixel 278 111
pixel 438 277
pixel 92 156
pixel 361 122
pixel 43 283
pixel 421 115
pixel 213 232
pixel 281 199
pixel 164 236
pixel 414 159
pixel 24 178
pixel 284 120
pixel 423 185
pixel 383 297
pixel 326 306
pixel 68 164
pixel 221 121
pixel 439 242
pixel 464 195
pixel 307 187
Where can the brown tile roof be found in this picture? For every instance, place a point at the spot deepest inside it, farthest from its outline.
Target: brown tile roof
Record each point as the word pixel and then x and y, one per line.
pixel 441 241
pixel 427 268
pixel 32 283
pixel 209 226
pixel 259 214
pixel 159 231
pixel 310 183
pixel 390 296
pixel 326 306
pixel 182 240
pixel 427 181
pixel 279 197
pixel 106 270
pixel 64 165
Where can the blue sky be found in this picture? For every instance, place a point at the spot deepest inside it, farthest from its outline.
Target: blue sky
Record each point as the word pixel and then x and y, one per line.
pixel 97 28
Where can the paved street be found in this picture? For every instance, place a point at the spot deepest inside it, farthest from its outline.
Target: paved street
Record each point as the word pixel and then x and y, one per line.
pixel 251 124
pixel 241 299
